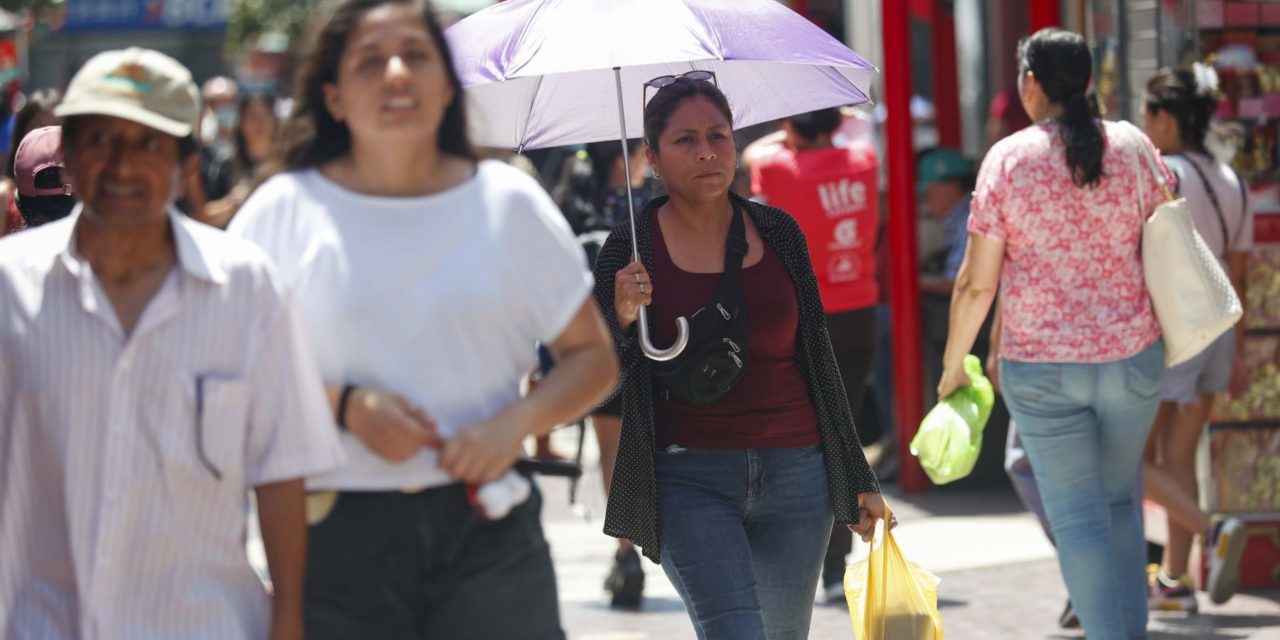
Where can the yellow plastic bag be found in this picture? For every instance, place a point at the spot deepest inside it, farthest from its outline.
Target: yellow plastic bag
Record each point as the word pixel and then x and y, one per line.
pixel 890 597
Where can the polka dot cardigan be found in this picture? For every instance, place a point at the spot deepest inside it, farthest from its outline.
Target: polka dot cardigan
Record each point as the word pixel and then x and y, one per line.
pixel 632 512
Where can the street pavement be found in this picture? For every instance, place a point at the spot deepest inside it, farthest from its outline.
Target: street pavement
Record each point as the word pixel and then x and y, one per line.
pixel 999 575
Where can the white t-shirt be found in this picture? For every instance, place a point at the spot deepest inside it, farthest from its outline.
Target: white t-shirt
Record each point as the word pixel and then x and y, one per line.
pixel 438 298
pixel 1238 216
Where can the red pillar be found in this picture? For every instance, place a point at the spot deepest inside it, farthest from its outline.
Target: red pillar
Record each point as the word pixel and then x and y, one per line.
pixel 904 294
pixel 1045 13
pixel 946 87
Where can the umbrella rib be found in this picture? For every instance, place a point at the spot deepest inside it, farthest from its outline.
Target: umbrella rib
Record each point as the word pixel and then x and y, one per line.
pixel 528 116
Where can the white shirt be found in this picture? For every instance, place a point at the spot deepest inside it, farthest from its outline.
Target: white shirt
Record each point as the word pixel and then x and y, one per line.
pixel 1237 215
pixel 437 298
pixel 122 487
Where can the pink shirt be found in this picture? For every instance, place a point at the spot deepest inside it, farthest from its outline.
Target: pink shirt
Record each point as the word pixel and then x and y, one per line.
pixel 1071 287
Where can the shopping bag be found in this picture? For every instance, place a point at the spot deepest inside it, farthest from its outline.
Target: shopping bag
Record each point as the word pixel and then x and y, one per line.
pixel 950 436
pixel 890 597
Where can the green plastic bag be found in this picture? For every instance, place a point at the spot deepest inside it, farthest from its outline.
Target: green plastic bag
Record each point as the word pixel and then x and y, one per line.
pixel 950 437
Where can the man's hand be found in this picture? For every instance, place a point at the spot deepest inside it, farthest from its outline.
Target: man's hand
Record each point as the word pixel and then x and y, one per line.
pixel 481 452
pixel 389 425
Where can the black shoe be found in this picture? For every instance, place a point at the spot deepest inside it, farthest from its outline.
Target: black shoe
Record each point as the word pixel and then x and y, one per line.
pixel 625 581
pixel 1069 619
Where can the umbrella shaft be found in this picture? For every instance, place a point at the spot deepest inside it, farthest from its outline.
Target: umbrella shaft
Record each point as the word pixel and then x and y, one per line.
pixel 626 165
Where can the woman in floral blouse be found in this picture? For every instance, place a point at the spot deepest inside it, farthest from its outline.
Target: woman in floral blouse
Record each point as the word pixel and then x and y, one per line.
pixel 1056 225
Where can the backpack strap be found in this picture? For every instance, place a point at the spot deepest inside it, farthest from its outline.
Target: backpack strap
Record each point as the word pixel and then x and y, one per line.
pixel 1213 197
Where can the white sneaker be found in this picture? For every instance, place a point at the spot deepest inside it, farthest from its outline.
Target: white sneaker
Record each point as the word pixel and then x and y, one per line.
pixel 1226 547
pixel 834 594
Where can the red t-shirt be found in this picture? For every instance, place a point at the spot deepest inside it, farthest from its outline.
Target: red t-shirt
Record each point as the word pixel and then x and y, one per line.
pixel 770 406
pixel 833 194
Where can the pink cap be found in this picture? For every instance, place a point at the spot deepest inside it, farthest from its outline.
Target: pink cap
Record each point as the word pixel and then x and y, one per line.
pixel 40 149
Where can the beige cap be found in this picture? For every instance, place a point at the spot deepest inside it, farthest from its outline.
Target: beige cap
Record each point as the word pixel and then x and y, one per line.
pixel 139 85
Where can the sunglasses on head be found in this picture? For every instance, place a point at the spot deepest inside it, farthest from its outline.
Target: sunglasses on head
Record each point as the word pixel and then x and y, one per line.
pixel 661 82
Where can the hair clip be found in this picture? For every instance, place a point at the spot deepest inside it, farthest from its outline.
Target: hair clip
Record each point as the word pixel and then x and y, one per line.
pixel 1206 78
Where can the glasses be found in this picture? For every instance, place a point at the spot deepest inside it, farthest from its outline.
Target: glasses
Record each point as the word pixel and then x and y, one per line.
pixel 661 82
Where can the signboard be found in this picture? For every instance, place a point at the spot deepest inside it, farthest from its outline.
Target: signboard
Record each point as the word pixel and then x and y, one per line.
pixel 98 15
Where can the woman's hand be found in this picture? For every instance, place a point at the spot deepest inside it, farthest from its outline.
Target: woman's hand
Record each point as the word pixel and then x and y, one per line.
pixel 631 290
pixel 482 451
pixel 952 378
pixel 870 511
pixel 390 425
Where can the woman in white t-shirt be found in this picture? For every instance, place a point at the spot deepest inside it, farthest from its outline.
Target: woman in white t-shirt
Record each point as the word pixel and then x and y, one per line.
pixel 1179 106
pixel 424 279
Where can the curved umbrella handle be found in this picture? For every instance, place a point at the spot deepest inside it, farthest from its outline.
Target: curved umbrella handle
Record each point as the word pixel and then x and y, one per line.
pixel 670 353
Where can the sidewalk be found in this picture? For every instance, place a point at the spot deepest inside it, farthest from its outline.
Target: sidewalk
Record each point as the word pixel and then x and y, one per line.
pixel 999 575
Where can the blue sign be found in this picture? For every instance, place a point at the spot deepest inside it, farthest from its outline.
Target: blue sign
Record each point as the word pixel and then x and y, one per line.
pixel 98 15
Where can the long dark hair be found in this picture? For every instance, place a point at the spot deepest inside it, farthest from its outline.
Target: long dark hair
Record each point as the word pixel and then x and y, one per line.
pixel 1063 67
pixel 1191 105
pixel 311 136
pixel 42 101
pixel 658 112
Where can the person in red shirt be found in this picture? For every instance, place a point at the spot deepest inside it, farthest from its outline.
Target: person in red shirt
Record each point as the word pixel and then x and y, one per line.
pixel 832 192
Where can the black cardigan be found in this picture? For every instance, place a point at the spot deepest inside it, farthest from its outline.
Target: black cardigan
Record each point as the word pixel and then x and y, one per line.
pixel 632 512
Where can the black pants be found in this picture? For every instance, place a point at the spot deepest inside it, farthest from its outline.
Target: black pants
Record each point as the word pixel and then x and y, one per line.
pixel 853 338
pixel 424 566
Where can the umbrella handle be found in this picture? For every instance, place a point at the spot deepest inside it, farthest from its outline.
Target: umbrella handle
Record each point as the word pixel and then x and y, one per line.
pixel 670 353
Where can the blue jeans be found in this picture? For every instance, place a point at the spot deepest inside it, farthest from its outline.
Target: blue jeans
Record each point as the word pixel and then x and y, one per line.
pixel 1084 427
pixel 743 538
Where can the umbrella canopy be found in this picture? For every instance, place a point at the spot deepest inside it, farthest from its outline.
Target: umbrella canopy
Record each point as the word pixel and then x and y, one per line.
pixel 540 73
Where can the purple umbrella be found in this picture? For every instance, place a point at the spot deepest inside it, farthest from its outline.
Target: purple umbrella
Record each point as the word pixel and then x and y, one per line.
pixel 544 73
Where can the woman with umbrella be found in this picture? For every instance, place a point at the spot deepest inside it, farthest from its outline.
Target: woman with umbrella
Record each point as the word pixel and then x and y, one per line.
pixel 737 498
pixel 425 279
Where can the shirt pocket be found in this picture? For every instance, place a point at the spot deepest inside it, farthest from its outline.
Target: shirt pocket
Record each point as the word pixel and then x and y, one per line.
pixel 222 407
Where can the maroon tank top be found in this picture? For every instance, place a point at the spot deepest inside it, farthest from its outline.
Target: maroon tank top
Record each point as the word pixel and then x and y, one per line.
pixel 770 406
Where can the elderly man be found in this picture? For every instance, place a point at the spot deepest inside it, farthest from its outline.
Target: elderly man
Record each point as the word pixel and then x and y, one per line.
pixel 151 372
